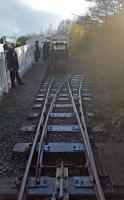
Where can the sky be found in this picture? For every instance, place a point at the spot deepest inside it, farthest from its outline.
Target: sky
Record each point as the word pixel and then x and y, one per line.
pixel 21 17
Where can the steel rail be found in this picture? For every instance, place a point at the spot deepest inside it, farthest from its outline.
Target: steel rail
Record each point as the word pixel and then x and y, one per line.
pixel 93 165
pixel 44 131
pixel 100 195
pixel 22 191
pixel 41 145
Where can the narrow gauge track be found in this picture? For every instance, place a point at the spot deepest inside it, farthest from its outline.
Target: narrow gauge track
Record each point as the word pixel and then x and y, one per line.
pixel 61 163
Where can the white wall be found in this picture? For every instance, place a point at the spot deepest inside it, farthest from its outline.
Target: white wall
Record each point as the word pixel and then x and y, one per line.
pixel 1 48
pixel 25 57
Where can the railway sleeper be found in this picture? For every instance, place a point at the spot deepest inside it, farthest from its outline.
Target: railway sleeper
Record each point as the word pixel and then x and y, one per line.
pixel 76 187
pixel 24 148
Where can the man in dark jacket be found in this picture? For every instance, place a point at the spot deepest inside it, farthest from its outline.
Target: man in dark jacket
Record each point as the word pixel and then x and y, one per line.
pixel 37 51
pixel 13 65
pixel 46 51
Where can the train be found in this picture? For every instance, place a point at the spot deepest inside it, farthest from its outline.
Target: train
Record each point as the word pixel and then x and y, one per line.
pixel 59 51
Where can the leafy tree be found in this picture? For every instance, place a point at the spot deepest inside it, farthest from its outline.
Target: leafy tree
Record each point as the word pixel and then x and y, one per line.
pixel 76 34
pixel 105 9
pixel 22 39
pixel 87 22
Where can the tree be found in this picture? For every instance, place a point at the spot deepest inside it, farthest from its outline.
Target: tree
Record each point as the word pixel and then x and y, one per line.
pixel 64 26
pixel 22 39
pixel 49 31
pixel 87 22
pixel 76 34
pixel 105 9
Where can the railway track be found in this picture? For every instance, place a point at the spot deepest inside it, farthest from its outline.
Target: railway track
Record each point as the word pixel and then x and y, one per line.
pixel 61 162
pixel 59 158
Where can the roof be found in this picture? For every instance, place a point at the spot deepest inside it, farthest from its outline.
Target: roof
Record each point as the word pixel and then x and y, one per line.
pixel 59 36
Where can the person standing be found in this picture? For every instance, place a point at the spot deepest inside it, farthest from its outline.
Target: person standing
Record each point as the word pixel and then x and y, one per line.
pixel 44 52
pixel 37 51
pixel 46 49
pixel 13 65
pixel 5 48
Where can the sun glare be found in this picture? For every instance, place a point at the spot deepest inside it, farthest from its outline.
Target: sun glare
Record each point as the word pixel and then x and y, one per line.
pixel 65 7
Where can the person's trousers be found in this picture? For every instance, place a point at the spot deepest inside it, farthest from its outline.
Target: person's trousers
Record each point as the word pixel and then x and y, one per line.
pixel 15 75
pixel 36 55
pixel 44 57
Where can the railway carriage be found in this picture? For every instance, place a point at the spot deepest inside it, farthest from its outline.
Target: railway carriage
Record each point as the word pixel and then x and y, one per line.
pixel 59 51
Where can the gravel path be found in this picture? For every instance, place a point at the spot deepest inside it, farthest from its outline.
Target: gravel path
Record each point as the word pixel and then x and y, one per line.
pixel 13 110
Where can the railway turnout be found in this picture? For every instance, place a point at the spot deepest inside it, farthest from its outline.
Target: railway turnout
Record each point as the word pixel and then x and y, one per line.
pixel 62 114
pixel 60 164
